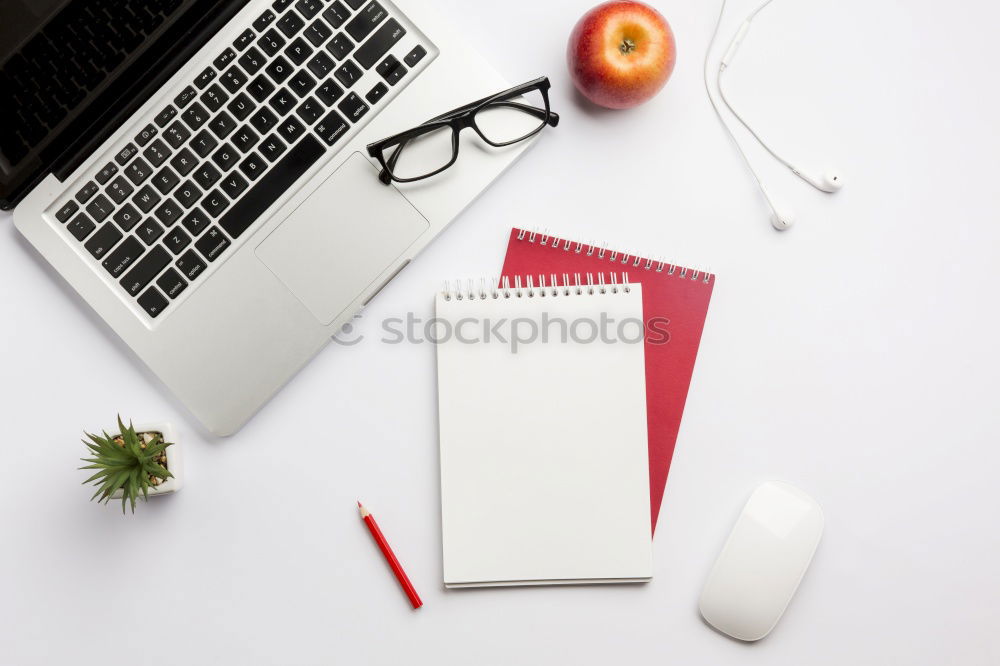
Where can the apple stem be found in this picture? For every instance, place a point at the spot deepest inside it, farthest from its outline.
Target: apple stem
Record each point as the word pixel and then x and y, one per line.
pixel 627 46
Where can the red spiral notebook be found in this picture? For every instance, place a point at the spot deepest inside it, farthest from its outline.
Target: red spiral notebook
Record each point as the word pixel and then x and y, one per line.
pixel 675 297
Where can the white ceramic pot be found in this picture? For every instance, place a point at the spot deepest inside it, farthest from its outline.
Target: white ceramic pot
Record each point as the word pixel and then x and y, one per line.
pixel 174 463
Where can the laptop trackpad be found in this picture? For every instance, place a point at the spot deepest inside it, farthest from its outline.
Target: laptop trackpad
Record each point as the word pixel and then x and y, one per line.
pixel 347 233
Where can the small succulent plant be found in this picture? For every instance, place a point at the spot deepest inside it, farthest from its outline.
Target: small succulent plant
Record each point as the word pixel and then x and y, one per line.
pixel 127 462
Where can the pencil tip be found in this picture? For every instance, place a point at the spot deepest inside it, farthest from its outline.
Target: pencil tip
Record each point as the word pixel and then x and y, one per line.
pixel 359 504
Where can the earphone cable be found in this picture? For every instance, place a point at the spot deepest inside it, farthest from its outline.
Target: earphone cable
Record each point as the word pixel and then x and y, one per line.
pixel 718 113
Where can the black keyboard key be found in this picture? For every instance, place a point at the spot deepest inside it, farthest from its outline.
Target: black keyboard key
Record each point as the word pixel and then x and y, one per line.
pixel 164 117
pixel 260 88
pixel 146 199
pixel 290 24
pixel 67 211
pixel 331 128
pixel 206 77
pixel 168 212
pixel 279 70
pixel 272 147
pixel 196 221
pixel 153 302
pixel 222 124
pixel 233 184
pixel 280 5
pixel 125 154
pixel 264 120
pixel 171 283
pixel 165 180
pixel 282 102
pixel 127 217
pixel 336 14
pixel 212 244
pixel 204 143
pixel 272 185
pixel 391 70
pixel 379 43
pixel 100 208
pixel 348 73
pixel 177 134
pixel 310 111
pixel 191 265
pixel 340 46
pixel 224 59
pixel 302 83
pixel 120 189
pixel 225 158
pixel 353 107
pixel 233 79
pixel 148 268
pixel 196 116
pixel 148 230
pixel 176 240
pixel 81 226
pixel 290 129
pixel 376 93
pixel 298 51
pixel 320 65
pixel 253 166
pixel 245 139
pixel 138 170
pixel 241 106
pixel 317 33
pixel 157 153
pixel 355 3
pixel 105 174
pixel 329 92
pixel 415 55
pixel 215 203
pixel 309 8
pixel 252 60
pixel 271 42
pixel 207 175
pixel 123 256
pixel 264 20
pixel 185 96
pixel 188 194
pixel 102 242
pixel 184 161
pixel 366 21
pixel 214 97
pixel 146 135
pixel 244 40
pixel 87 191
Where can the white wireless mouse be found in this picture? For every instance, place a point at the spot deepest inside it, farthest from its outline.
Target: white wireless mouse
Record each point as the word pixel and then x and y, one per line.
pixel 764 559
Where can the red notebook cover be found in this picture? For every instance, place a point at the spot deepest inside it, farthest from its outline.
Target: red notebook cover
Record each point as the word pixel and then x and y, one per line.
pixel 675 302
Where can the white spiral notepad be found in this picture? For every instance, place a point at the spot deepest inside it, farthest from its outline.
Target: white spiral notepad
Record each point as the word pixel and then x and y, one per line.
pixel 544 456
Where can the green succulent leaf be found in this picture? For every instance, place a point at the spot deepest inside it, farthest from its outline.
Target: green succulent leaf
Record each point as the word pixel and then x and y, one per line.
pixel 127 467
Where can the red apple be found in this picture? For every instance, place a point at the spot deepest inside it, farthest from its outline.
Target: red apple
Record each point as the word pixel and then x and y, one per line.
pixel 621 53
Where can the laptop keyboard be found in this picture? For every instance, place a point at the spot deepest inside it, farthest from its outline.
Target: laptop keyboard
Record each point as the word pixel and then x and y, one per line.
pixel 204 168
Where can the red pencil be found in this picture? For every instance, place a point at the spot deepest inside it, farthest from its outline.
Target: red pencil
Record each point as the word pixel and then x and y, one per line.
pixel 390 557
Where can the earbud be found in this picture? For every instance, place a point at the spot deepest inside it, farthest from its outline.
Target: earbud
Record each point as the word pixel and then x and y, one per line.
pixel 782 219
pixel 830 181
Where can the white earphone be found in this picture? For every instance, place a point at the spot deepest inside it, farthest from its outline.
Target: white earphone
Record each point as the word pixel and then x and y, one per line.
pixel 830 180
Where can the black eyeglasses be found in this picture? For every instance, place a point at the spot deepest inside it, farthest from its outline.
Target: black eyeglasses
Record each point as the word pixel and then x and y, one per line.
pixel 500 120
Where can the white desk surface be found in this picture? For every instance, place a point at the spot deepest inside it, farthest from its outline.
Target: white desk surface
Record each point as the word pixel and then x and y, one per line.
pixel 855 355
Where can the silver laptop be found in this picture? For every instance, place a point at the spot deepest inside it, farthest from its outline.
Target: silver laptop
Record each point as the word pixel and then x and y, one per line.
pixel 196 170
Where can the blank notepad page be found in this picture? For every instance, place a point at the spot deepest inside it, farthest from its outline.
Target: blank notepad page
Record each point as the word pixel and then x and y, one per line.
pixel 544 457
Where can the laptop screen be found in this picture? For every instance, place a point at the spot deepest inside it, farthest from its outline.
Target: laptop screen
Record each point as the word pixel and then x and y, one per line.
pixel 71 71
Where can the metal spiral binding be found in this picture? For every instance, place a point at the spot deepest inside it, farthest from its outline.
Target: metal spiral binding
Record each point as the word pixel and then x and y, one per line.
pixel 614 256
pixel 547 286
